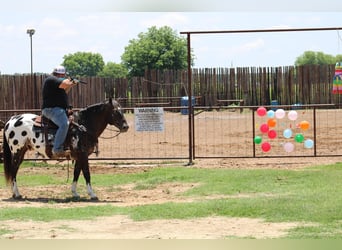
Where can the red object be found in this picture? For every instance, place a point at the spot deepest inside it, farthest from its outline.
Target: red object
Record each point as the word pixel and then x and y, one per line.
pixel 266 146
pixel 264 128
pixel 272 134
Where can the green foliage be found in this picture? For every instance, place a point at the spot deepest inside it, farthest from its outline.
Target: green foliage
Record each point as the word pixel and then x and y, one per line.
pixel 83 64
pixel 312 57
pixel 339 58
pixel 114 70
pixel 156 49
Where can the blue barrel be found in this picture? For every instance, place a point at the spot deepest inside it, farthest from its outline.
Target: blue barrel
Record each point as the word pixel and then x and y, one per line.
pixel 274 103
pixel 185 103
pixel 297 106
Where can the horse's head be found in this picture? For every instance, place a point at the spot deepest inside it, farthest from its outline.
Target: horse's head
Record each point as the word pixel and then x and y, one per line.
pixel 117 117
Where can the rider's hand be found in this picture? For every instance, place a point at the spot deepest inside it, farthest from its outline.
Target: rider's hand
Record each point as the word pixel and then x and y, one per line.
pixel 75 81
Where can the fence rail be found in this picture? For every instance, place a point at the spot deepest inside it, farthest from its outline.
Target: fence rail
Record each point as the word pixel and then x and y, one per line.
pixel 223 132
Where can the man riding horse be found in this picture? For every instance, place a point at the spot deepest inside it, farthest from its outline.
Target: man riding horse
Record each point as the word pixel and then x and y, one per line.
pixel 55 105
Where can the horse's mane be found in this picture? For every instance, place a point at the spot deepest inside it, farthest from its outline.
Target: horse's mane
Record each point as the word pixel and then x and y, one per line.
pixel 91 109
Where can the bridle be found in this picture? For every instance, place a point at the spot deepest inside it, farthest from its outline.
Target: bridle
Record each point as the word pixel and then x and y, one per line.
pixel 111 137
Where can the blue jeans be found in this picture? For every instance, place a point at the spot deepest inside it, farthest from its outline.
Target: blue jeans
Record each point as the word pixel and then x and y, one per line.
pixel 59 117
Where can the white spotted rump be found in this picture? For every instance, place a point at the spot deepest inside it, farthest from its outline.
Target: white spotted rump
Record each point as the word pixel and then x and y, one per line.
pixel 19 133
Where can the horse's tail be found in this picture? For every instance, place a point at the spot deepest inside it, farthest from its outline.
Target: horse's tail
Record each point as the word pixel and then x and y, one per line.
pixel 7 157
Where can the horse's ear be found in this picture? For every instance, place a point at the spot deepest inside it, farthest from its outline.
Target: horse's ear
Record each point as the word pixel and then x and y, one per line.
pixel 110 100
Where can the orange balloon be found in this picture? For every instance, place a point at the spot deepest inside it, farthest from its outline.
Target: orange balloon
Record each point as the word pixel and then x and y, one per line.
pixel 271 122
pixel 304 125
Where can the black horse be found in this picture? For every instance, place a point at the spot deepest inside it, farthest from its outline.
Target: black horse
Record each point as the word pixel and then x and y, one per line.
pixel 21 134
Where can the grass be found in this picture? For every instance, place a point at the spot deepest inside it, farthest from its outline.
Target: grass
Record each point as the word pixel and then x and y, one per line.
pixel 311 195
pixel 35 179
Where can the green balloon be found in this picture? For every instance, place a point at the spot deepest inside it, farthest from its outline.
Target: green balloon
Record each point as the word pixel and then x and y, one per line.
pixel 299 138
pixel 257 139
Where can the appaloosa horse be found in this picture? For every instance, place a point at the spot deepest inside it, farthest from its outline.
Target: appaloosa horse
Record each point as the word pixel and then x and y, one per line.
pixel 21 134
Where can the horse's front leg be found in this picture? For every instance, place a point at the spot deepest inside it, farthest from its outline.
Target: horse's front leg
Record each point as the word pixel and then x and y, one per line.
pixel 86 174
pixel 82 163
pixel 77 171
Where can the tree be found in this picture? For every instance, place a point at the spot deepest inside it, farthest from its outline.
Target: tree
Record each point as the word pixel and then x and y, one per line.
pixel 312 57
pixel 156 49
pixel 339 58
pixel 83 64
pixel 114 70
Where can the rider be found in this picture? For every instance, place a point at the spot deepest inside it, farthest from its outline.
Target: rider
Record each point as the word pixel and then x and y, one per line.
pixel 55 104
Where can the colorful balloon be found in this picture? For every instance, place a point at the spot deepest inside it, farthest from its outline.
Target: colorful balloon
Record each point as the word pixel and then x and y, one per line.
pixel 299 137
pixel 292 115
pixel 270 113
pixel 261 111
pixel 272 134
pixel 257 139
pixel 288 147
pixel 308 143
pixel 287 133
pixel 271 122
pixel 304 125
pixel 266 146
pixel 264 128
pixel 280 114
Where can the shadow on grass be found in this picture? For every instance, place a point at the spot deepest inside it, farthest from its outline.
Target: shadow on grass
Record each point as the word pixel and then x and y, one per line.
pixel 59 200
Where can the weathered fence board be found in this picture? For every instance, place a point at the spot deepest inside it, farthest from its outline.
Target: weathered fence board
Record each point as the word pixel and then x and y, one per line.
pixel 256 86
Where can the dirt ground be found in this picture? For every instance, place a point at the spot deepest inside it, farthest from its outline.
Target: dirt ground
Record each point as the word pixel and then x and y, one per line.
pixel 122 227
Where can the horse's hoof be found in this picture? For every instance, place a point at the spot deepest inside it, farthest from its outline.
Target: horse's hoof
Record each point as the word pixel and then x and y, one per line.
pixel 75 198
pixel 94 198
pixel 18 197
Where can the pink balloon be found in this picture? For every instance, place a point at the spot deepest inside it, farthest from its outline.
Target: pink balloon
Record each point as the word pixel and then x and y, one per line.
pixel 272 134
pixel 264 128
pixel 280 113
pixel 261 111
pixel 292 115
pixel 266 146
pixel 288 147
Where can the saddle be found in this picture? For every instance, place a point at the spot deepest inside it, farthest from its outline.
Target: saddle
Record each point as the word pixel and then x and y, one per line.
pixel 47 127
pixel 44 125
pixel 41 122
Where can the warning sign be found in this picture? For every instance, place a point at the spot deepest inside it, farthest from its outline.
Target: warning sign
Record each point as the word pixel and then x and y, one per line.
pixel 149 119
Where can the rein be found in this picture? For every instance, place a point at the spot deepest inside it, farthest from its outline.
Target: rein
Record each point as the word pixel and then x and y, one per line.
pixel 111 137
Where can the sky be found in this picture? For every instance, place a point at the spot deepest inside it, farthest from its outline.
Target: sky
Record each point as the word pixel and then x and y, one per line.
pixel 106 27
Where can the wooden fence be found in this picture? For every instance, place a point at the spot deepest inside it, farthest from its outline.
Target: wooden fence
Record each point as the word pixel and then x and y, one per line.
pixel 254 85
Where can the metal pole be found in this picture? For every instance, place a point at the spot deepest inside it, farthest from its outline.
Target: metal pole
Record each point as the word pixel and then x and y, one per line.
pixel 31 55
pixel 259 30
pixel 190 109
pixel 31 32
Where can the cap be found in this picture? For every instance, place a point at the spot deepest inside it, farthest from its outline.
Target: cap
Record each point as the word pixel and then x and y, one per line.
pixel 59 70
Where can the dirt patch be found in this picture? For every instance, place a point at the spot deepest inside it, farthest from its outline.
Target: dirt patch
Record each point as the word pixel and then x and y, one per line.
pixel 266 163
pixel 121 227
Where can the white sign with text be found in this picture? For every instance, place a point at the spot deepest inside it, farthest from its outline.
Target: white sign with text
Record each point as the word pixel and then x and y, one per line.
pixel 149 119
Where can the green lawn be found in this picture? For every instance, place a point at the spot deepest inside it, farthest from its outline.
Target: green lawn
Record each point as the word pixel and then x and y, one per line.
pixel 312 195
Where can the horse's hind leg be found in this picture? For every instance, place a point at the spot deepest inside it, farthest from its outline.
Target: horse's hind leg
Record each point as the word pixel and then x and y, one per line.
pixel 16 161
